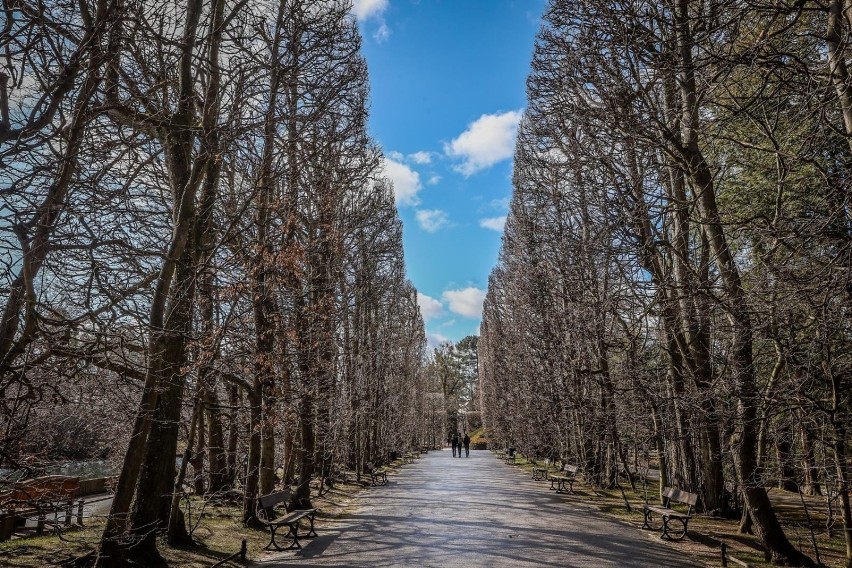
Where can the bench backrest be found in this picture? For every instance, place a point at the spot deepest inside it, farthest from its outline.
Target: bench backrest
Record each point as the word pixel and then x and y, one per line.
pixel 50 488
pixel 273 499
pixel 671 494
pixel 572 469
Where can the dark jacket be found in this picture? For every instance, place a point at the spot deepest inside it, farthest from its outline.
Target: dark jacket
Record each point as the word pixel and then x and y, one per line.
pixel 466 441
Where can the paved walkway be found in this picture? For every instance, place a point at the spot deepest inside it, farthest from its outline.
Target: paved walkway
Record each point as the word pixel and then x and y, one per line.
pixel 444 511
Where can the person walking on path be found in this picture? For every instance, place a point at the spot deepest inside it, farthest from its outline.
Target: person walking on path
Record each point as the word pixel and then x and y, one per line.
pixel 460 443
pixel 456 444
pixel 466 445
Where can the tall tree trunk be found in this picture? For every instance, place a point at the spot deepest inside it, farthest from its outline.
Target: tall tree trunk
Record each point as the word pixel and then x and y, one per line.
pixel 687 468
pixel 784 455
pixel 659 445
pixel 698 171
pixel 177 533
pixel 811 485
pixel 218 455
pixel 234 400
pixel 252 478
pixel 267 452
pixel 152 505
pixel 166 351
pixel 308 448
pixel 200 453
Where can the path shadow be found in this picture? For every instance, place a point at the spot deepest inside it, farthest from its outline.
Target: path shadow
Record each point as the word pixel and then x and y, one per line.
pixel 479 512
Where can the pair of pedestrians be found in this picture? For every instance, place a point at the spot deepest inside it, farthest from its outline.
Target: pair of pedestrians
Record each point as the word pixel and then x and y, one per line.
pixel 458 443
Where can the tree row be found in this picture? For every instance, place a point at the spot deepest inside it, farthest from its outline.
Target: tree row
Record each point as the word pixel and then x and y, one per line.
pixel 202 258
pixel 674 281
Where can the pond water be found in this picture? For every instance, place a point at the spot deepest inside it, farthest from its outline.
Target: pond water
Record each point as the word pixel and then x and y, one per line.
pixel 89 469
pixel 84 469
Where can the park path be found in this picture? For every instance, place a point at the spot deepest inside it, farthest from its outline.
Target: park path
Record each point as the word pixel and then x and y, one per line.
pixel 444 512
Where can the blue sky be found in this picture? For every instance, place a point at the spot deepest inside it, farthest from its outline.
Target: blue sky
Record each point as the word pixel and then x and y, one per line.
pixel 447 84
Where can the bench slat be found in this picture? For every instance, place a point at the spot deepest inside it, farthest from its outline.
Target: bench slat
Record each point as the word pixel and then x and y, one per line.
pixel 294 516
pixel 679 496
pixel 668 512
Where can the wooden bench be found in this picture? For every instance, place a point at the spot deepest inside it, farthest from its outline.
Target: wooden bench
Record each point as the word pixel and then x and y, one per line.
pixel 377 475
pixel 408 457
pixel 540 472
pixel 501 454
pixel 667 514
pixel 567 474
pixel 266 515
pixel 339 473
pixel 39 497
pixel 510 456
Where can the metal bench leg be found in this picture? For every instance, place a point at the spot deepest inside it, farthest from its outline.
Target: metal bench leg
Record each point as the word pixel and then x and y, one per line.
pixel 294 529
pixel 272 542
pixel 648 521
pixel 672 534
pixel 665 527
pixel 311 533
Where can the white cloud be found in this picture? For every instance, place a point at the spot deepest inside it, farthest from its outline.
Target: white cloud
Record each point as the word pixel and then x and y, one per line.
pixel 421 157
pixel 493 223
pixel 434 180
pixel 430 308
pixel 382 34
pixel 397 156
pixel 433 340
pixel 366 9
pixel 501 204
pixel 406 182
pixel 488 140
pixel 373 10
pixel 432 220
pixel 466 302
